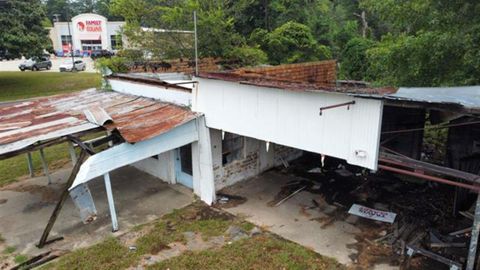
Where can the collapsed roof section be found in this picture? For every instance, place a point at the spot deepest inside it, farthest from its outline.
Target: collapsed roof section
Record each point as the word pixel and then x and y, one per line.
pixel 136 118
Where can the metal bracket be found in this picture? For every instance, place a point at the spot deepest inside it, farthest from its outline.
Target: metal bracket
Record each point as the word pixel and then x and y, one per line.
pixel 336 106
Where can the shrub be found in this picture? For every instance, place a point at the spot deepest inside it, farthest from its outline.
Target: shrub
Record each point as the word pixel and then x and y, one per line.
pixel 116 64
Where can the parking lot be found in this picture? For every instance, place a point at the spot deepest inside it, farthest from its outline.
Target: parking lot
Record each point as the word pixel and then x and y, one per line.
pixel 12 65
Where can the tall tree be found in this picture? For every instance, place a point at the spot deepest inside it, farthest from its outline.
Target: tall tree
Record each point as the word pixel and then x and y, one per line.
pixel 21 28
pixel 430 42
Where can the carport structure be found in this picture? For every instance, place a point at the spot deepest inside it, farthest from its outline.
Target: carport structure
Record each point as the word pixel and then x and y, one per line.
pixel 137 128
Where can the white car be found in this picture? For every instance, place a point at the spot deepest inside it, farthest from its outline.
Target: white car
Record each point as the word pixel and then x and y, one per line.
pixel 68 66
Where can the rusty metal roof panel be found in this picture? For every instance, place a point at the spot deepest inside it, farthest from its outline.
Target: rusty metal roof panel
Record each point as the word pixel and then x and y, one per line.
pixel 294 85
pixel 136 118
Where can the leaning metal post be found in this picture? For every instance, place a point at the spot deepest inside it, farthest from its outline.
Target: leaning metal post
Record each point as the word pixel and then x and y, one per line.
pixel 111 203
pixel 45 165
pixel 472 250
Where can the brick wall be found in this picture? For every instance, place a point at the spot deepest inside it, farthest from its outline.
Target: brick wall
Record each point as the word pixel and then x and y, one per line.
pixel 255 161
pixel 321 72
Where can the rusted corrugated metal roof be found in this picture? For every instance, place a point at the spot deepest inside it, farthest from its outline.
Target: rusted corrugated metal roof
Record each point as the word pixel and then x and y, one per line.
pixel 294 85
pixel 137 118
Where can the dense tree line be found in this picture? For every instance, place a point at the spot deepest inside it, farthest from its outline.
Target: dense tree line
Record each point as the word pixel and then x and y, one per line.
pixel 390 42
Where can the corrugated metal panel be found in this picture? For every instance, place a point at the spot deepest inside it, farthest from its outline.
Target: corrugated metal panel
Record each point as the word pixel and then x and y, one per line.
pixel 137 118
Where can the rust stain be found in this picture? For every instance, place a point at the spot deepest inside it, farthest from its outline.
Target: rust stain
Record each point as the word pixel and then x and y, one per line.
pixel 136 118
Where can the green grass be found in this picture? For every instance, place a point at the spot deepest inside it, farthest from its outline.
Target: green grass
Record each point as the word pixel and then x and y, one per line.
pixel 109 254
pixel 20 259
pixel 13 168
pixel 9 250
pixel 261 252
pixel 21 85
pixel 265 251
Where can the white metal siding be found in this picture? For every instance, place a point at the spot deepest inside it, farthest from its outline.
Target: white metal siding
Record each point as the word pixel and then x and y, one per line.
pixel 292 118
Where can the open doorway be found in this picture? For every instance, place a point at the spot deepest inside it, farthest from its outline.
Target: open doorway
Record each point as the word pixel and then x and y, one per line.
pixel 183 165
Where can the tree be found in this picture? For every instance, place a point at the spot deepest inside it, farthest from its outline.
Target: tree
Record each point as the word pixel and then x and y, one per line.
pixel 430 42
pixel 216 35
pixel 354 62
pixel 292 43
pixel 21 29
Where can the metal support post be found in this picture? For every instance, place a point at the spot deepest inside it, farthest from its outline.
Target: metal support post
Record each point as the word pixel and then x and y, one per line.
pixel 111 203
pixel 45 166
pixel 472 250
pixel 73 155
pixel 30 164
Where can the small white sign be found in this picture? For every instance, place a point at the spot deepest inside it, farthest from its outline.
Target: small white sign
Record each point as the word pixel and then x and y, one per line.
pixel 362 211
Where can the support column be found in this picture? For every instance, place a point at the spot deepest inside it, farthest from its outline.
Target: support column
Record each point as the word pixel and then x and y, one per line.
pixel 111 203
pixel 472 250
pixel 30 164
pixel 73 155
pixel 45 166
pixel 203 177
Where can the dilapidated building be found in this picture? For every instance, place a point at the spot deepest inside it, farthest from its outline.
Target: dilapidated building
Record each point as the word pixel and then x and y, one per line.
pixel 212 130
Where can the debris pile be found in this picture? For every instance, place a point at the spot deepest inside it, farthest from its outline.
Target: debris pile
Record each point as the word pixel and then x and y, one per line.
pixel 412 219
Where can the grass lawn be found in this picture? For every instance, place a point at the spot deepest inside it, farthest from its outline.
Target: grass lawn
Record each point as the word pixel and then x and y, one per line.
pixel 21 85
pixel 263 251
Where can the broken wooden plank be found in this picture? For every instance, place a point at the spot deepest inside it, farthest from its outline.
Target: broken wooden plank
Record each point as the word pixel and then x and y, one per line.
pixel 62 199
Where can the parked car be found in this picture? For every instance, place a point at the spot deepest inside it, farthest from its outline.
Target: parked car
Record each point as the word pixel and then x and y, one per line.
pixel 101 53
pixel 5 55
pixel 67 65
pixel 36 63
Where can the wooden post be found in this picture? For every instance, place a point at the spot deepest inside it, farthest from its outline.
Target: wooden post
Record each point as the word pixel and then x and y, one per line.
pixel 62 199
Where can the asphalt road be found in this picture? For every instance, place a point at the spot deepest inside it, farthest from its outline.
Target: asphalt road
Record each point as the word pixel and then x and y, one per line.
pixel 12 65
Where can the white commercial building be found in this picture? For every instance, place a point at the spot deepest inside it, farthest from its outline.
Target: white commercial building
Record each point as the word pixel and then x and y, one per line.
pixel 87 32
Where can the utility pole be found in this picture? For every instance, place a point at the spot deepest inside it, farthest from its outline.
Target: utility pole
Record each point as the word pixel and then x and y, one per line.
pixel 69 20
pixel 196 41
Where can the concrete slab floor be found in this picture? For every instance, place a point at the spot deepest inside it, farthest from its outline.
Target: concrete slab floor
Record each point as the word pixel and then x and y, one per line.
pixel 292 220
pixel 26 206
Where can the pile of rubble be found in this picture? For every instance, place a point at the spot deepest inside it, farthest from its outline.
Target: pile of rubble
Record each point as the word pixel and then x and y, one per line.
pixel 410 219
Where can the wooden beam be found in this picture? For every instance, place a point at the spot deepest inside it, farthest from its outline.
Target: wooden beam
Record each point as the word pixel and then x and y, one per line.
pixel 62 199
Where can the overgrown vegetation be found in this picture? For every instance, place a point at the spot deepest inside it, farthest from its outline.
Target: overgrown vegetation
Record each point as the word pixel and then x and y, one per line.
pixel 264 251
pixel 398 43
pixel 21 85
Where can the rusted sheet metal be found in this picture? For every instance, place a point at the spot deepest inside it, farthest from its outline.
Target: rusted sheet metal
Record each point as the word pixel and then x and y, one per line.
pixel 97 115
pixel 264 81
pixel 136 118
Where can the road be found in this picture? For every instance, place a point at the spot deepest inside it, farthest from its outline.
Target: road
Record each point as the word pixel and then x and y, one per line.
pixel 12 65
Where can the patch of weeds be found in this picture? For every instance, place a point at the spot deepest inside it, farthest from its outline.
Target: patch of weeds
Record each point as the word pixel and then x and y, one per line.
pixel 18 259
pixel 9 250
pixel 246 226
pixel 109 254
pixel 262 252
pixel 157 239
pixel 197 218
